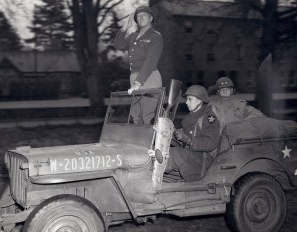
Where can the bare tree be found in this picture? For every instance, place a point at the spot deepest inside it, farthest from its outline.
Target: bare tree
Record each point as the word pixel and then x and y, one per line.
pixel 91 22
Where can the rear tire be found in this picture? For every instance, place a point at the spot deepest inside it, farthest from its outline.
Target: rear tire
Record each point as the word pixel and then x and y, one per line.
pixel 258 204
pixel 65 213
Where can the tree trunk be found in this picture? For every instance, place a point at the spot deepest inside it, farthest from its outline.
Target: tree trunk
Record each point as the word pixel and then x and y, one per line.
pixel 94 81
pixel 267 69
pixel 266 74
pixel 86 39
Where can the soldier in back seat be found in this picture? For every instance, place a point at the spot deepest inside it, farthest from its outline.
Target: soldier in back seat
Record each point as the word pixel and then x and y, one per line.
pixel 200 133
pixel 227 107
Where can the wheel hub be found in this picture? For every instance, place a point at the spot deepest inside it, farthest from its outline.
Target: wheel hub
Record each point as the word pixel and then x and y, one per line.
pixel 258 206
pixel 68 224
pixel 65 229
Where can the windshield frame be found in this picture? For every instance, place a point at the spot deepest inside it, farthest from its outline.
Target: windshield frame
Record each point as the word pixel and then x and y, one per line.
pixel 122 98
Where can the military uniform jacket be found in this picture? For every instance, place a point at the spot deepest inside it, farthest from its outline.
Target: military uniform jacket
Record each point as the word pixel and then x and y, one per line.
pixel 203 127
pixel 143 53
pixel 232 109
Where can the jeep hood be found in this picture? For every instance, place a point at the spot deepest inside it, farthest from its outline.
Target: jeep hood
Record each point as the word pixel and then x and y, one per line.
pixel 79 158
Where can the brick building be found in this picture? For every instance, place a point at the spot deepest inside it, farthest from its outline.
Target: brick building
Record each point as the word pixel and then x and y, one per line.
pixel 207 40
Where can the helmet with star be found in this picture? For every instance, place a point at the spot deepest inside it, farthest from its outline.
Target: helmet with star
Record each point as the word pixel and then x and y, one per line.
pixel 224 82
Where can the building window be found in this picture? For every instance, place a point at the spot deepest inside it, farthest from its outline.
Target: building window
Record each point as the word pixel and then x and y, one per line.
pixel 281 56
pixel 221 73
pixel 210 53
pixel 189 57
pixel 292 78
pixel 210 57
pixel 200 77
pixel 188 52
pixel 11 77
pixel 189 74
pixel 211 40
pixel 250 80
pixel 233 76
pixel 283 82
pixel 239 53
pixel 189 48
pixel 188 27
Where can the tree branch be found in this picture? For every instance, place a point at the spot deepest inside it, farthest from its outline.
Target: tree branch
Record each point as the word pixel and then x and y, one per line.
pixel 107 10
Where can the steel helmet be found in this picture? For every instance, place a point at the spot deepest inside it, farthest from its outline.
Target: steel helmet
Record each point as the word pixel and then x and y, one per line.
pixel 224 82
pixel 143 9
pixel 199 92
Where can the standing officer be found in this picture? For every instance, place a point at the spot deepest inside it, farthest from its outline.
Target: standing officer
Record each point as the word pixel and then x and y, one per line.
pixel 145 46
pixel 200 133
pixel 227 107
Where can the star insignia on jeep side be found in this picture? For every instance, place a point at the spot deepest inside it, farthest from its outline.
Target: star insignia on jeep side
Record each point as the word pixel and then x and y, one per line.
pixel 211 119
pixel 286 152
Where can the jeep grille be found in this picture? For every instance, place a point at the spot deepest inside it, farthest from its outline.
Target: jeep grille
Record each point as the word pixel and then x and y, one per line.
pixel 18 177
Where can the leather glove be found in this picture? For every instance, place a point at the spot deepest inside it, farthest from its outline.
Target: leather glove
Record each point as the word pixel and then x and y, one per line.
pixel 136 85
pixel 181 135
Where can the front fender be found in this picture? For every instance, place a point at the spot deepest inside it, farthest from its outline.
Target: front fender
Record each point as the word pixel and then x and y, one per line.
pixel 103 189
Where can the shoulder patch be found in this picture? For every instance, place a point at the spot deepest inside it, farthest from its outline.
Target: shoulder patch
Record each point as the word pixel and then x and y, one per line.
pixel 211 119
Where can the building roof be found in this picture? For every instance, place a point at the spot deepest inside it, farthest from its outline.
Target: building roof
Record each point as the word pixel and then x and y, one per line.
pixel 207 9
pixel 35 61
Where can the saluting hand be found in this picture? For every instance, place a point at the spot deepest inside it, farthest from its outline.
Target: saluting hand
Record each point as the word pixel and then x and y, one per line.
pixel 130 26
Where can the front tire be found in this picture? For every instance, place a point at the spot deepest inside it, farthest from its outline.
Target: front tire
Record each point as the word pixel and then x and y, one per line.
pixel 65 213
pixel 258 204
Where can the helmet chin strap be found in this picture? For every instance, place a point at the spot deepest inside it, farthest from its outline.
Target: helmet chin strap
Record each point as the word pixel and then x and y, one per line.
pixel 197 107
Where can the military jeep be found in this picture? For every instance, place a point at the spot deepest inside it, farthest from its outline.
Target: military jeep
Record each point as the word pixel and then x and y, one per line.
pixel 121 178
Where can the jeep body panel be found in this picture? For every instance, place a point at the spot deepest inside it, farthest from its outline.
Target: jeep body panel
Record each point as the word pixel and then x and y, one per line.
pixel 80 158
pixel 115 174
pixel 242 158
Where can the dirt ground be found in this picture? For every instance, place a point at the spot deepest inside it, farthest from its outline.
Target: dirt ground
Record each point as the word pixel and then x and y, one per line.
pixel 80 134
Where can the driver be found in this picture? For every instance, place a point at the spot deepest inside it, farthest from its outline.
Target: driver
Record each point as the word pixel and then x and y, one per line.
pixel 200 133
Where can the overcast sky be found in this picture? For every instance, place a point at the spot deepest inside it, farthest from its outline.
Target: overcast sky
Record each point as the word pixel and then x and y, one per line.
pixel 21 19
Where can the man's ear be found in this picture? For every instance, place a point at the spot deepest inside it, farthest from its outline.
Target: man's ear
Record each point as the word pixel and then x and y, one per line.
pixel 151 19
